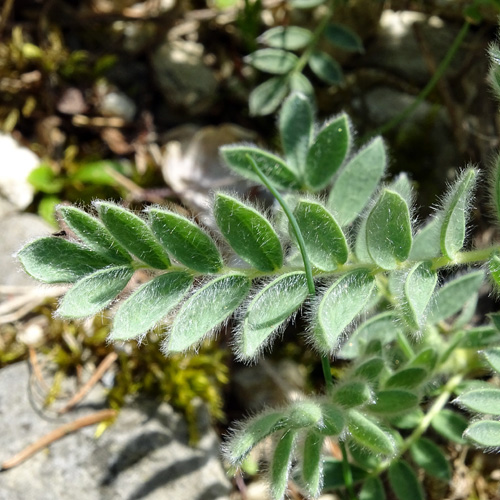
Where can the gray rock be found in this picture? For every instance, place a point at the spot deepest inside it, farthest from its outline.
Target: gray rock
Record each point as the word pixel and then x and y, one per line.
pixel 185 81
pixel 17 162
pixel 143 455
pixel 17 230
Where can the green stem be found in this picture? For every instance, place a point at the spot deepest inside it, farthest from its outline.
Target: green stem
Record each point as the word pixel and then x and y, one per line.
pixel 347 472
pixel 427 89
pixel 436 407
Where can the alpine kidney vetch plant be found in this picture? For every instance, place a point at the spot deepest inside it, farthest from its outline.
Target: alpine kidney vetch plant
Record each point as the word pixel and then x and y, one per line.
pixel 369 281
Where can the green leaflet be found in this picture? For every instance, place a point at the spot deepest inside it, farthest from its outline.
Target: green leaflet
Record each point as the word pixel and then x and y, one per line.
pixel 275 61
pixel 485 433
pixel 370 369
pixel 363 456
pixel 451 297
pixel 388 231
pixel 372 489
pixel 369 435
pixel 325 68
pixel 340 304
pixel 493 358
pixel 357 181
pixel 312 464
pixel 325 242
pixel 392 401
pixel 328 152
pixel 95 292
pixel 334 477
pixel 333 420
pixel 427 358
pixel 286 37
pixel 351 394
pixel 431 458
pixel 407 378
pixel 133 233
pixel 253 431
pixel 450 425
pixel 383 327
pixel 296 130
pixel 454 213
pixel 56 260
pixel 480 337
pixel 404 482
pixel 265 98
pixel 300 83
pixel 303 414
pixel 273 305
pixel 305 4
pixel 426 242
pixel 185 241
pixel 250 235
pixel 210 306
pixel 280 464
pixel 408 420
pixel 93 233
pixel 273 167
pixel 149 304
pixel 343 37
pixel 418 289
pixel 360 246
pixel 481 401
pixel 494 266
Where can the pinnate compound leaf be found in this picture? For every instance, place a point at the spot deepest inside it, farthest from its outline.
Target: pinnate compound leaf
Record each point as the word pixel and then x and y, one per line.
pixel 357 181
pixel 325 67
pixel 189 244
pixel 454 214
pixel 296 130
pixel 250 234
pixel 485 433
pixel 450 425
pixel 451 297
pixel 286 37
pixel 418 289
pixel 481 401
pixel 369 435
pixel 338 307
pixel 210 306
pixel 493 358
pixel 372 489
pixel 149 304
pixel 312 464
pixel 407 378
pixel 265 98
pixel 281 464
pixel 95 292
pixel 250 434
pixel 431 458
pixel 404 482
pixel 273 167
pixel 388 231
pixel 343 37
pixel 328 152
pixel 325 242
pixel 133 233
pixel 275 61
pixel 56 260
pixel 392 401
pixel 273 305
pixel 93 233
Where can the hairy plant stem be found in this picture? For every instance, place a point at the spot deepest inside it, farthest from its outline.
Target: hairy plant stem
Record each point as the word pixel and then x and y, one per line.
pixel 325 363
pixel 443 66
pixel 436 407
